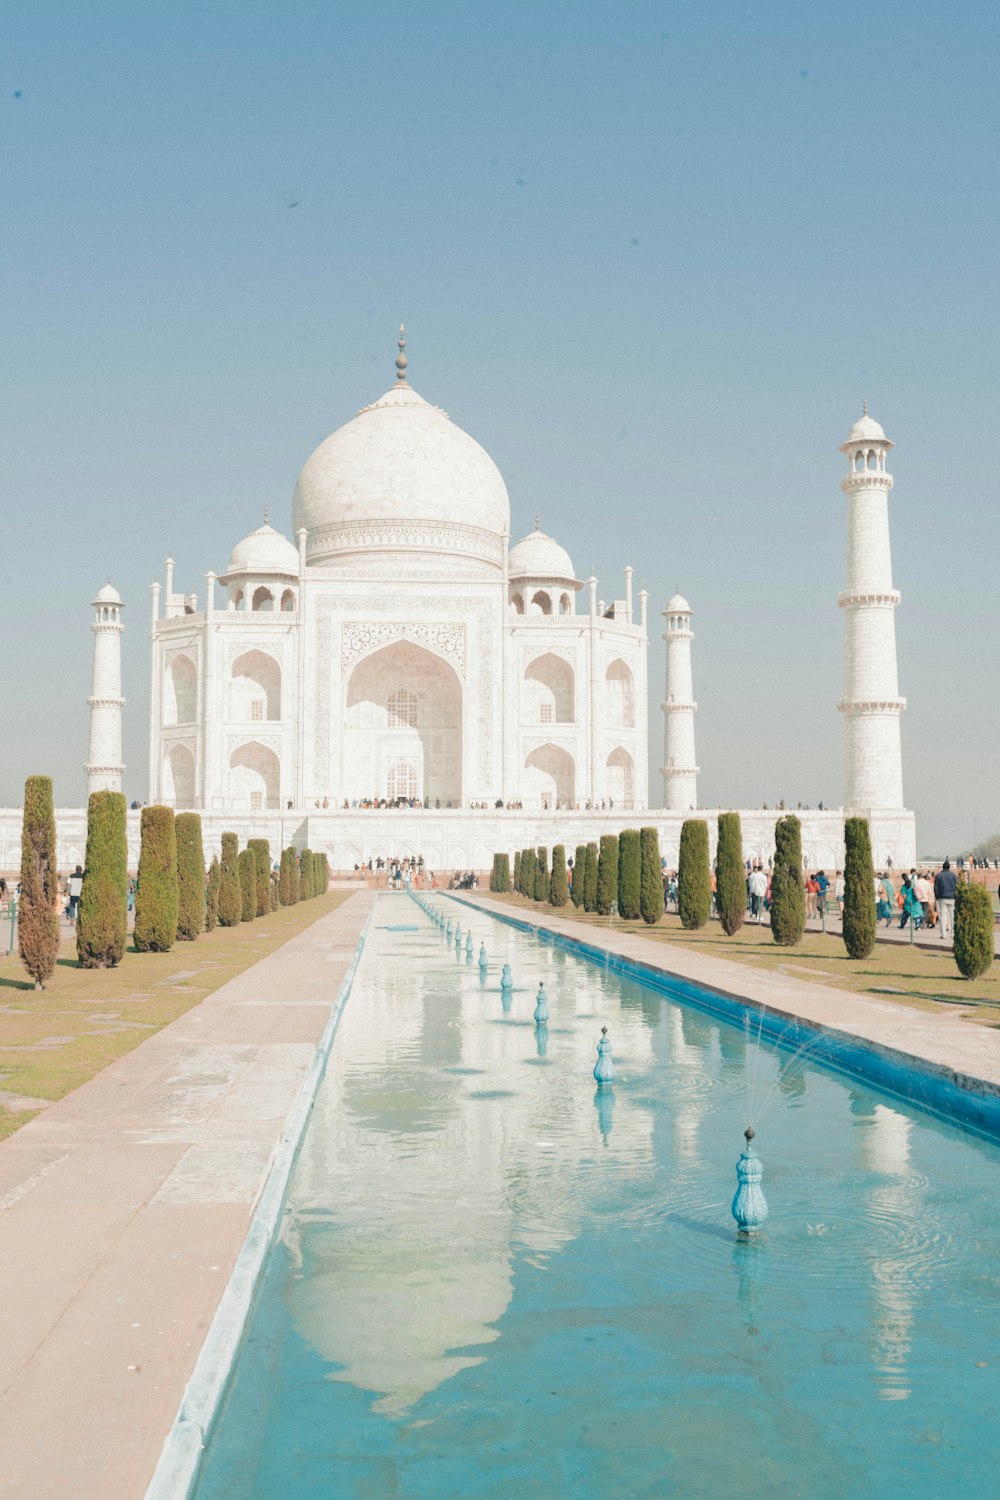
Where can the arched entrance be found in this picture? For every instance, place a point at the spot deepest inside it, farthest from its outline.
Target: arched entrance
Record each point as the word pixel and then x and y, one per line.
pixel 550 778
pixel 403 727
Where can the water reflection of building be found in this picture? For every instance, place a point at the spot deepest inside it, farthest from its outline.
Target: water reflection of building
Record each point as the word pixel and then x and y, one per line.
pixel 893 1206
pixel 442 1147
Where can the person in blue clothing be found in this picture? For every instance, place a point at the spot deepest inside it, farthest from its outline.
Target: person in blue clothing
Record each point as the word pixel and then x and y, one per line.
pixel 824 886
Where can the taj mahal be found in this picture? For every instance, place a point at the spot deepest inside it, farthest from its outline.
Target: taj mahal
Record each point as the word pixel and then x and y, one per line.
pixel 400 652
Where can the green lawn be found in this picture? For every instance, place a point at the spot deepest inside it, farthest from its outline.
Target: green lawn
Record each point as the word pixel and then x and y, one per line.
pixel 54 1039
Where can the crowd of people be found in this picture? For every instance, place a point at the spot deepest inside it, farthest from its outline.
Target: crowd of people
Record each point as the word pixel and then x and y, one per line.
pixel 924 897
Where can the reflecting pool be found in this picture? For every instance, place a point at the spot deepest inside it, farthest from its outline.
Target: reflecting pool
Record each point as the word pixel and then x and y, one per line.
pixel 494 1279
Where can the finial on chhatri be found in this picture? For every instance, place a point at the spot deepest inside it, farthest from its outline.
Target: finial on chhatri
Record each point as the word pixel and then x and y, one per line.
pixel 538 520
pixel 864 405
pixel 267 516
pixel 401 360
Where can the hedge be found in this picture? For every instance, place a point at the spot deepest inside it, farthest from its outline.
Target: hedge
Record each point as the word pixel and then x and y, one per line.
pixel 730 874
pixel 156 898
pixel 288 883
pixel 247 865
pixel 529 859
pixel 694 883
pixel 262 854
pixel 590 879
pixel 650 876
pixel 788 891
pixel 37 909
pixel 212 894
pixel 190 876
pixel 629 873
pixel 500 878
pixel 973 944
pixel 559 885
pixel 859 889
pixel 579 874
pixel 102 917
pixel 607 875
pixel 230 895
pixel 542 875
pixel 517 869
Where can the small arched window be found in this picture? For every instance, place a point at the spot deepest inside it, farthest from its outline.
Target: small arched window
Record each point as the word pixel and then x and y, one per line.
pixel 263 600
pixel 542 602
pixel 288 602
pixel 565 605
pixel 402 707
pixel 401 780
pixel 859 459
pixel 871 458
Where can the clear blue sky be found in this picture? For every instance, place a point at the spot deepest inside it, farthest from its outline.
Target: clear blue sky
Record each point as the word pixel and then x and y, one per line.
pixel 652 256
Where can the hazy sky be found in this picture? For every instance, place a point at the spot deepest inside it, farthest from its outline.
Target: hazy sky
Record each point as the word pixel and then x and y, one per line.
pixel 652 256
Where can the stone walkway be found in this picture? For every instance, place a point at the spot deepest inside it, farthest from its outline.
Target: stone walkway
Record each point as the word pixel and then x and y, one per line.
pixel 123 1208
pixel 948 1042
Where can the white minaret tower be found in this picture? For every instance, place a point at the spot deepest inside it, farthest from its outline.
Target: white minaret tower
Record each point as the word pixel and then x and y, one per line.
pixel 679 771
pixel 104 763
pixel 871 705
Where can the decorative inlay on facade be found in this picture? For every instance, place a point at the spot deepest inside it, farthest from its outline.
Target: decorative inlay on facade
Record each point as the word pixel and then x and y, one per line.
pixel 561 742
pixel 269 741
pixel 270 648
pixel 360 637
pixel 435 536
pixel 542 648
pixel 106 702
pixel 888 599
pixel 680 770
pixel 480 611
pixel 672 704
pixel 190 648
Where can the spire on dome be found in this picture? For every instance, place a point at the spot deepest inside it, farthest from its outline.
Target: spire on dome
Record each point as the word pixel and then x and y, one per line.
pixel 401 360
pixel 267 516
pixel 538 520
pixel 865 406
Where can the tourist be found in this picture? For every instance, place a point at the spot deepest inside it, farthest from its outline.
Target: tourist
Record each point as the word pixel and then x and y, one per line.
pixel 812 896
pixel 924 894
pixel 757 886
pixel 913 910
pixel 822 886
pixel 885 898
pixel 838 890
pixel 945 885
pixel 75 886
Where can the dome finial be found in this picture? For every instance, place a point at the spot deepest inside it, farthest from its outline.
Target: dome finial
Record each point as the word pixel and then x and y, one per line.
pixel 864 405
pixel 538 521
pixel 401 360
pixel 267 516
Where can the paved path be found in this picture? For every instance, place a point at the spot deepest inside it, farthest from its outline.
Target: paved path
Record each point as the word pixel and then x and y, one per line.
pixel 948 1042
pixel 123 1208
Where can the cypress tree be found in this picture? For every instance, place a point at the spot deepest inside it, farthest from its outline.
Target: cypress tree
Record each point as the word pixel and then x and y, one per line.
pixel 629 873
pixel 308 874
pixel 859 889
pixel 274 887
pixel 321 870
pixel 190 876
pixel 517 869
pixel 788 892
pixel 288 879
pixel 730 876
pixel 579 872
pixel 973 943
pixel 541 891
pixel 247 865
pixel 102 917
pixel 694 885
pixel 503 874
pixel 156 897
pixel 590 879
pixel 607 875
pixel 529 859
pixel 37 915
pixel 558 885
pixel 212 894
pixel 650 876
pixel 262 854
pixel 230 896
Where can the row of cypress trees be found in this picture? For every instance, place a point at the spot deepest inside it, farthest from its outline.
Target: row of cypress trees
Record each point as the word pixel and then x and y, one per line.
pixel 174 899
pixel 624 873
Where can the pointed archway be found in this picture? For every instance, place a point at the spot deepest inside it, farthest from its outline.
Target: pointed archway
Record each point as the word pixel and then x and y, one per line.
pixel 403 727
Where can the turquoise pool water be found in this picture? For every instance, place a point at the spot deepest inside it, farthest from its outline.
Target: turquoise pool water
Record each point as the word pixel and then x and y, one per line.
pixel 494 1280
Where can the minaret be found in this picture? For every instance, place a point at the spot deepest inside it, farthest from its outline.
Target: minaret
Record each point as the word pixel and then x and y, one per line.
pixel 871 705
pixel 679 770
pixel 104 764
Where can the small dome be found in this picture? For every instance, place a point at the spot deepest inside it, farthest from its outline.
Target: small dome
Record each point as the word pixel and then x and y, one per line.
pixel 539 556
pixel 678 605
pixel 264 551
pixel 108 594
pixel 866 429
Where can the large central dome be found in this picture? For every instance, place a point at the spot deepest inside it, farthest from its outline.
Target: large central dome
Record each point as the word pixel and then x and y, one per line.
pixel 401 477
